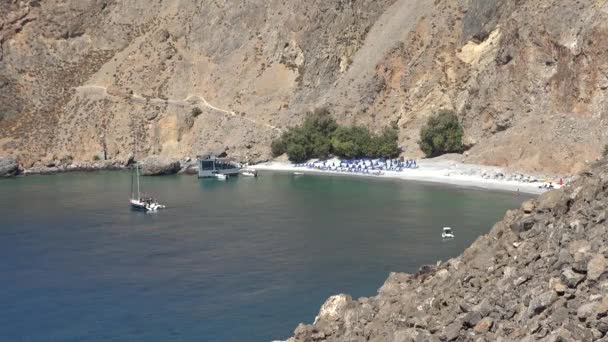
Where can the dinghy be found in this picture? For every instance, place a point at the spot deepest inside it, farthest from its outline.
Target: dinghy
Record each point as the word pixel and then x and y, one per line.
pixel 249 173
pixel 447 233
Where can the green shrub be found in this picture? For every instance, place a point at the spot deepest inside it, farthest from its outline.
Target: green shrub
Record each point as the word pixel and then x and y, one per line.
pixel 309 140
pixel 297 152
pixel 278 147
pixel 385 145
pixel 441 134
pixel 319 136
pixel 351 142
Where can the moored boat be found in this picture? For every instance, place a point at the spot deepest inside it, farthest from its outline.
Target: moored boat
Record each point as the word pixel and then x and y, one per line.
pixel 447 233
pixel 249 173
pixel 142 203
pixel 210 165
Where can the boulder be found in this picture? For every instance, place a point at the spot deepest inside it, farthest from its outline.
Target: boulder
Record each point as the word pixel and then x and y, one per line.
pixel 596 267
pixel 540 303
pixel 571 278
pixel 554 201
pixel 471 319
pixel 334 307
pixel 585 311
pixel 189 167
pixel 528 206
pixel 557 286
pixel 523 224
pixel 411 334
pixel 159 165
pixel 484 326
pixel 452 331
pixel 601 309
pixel 9 166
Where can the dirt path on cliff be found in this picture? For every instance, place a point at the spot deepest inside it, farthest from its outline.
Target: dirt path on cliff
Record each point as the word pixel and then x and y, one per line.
pixel 189 101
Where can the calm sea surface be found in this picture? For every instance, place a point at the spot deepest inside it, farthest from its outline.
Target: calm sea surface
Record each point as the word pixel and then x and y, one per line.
pixel 241 260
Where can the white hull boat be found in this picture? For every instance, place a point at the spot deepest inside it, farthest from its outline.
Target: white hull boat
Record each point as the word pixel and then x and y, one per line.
pixel 221 176
pixel 249 173
pixel 145 205
pixel 298 173
pixel 447 233
pixel 140 202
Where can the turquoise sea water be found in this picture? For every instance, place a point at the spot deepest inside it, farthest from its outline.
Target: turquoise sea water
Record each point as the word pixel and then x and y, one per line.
pixel 241 260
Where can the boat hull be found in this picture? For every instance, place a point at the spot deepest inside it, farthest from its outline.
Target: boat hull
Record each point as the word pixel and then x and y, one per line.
pixel 138 207
pixel 143 206
pixel 212 174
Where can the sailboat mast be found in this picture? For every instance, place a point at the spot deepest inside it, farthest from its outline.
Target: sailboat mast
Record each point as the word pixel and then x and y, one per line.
pixel 137 171
pixel 132 185
pixel 137 166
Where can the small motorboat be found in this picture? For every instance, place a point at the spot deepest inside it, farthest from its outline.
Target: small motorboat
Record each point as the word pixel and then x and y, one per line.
pixel 249 173
pixel 447 233
pixel 298 173
pixel 221 176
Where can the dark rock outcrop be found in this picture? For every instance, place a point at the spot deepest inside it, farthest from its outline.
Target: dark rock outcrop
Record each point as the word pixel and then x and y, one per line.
pixel 9 167
pixel 159 165
pixel 189 167
pixel 540 274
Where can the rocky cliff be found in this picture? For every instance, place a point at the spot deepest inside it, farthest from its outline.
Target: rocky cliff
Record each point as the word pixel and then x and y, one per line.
pixel 540 274
pixel 92 79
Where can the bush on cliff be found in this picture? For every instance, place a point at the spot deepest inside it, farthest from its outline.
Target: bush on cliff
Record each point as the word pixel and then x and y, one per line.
pixel 309 140
pixel 319 136
pixel 196 112
pixel 351 142
pixel 442 134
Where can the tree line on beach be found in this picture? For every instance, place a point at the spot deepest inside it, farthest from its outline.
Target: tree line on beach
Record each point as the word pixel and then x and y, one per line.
pixel 320 136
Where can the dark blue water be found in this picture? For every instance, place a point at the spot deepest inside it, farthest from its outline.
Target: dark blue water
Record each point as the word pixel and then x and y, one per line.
pixel 242 260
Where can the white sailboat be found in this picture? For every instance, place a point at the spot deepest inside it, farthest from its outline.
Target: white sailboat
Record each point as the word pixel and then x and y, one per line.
pixel 140 202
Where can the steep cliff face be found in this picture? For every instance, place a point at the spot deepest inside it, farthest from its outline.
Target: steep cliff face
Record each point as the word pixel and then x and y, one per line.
pixel 540 274
pixel 89 78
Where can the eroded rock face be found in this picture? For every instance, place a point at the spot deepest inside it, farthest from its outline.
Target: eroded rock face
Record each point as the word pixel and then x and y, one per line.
pixel 187 76
pixel 159 165
pixel 546 282
pixel 9 166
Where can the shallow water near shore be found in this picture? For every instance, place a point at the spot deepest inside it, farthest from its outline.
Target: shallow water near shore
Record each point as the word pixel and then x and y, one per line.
pixel 242 260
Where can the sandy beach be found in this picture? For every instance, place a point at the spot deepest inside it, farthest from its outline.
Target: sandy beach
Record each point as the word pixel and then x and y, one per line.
pixel 440 171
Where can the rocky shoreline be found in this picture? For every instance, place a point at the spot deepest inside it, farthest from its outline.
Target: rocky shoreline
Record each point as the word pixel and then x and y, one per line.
pixel 151 166
pixel 540 274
